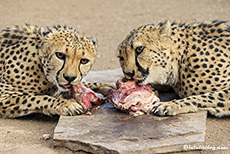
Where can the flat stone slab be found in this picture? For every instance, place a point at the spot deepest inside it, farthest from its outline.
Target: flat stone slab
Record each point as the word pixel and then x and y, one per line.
pixel 109 130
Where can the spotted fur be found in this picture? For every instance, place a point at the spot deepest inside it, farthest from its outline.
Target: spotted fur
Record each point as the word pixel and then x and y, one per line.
pixel 192 58
pixel 38 63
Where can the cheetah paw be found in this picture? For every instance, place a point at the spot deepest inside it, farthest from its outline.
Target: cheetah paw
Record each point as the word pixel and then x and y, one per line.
pixel 105 88
pixel 70 108
pixel 165 108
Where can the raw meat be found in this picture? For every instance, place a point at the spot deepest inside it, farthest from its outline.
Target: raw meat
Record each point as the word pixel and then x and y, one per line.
pixel 85 96
pixel 132 98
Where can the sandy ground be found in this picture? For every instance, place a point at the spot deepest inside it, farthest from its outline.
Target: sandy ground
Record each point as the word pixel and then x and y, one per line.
pixel 108 21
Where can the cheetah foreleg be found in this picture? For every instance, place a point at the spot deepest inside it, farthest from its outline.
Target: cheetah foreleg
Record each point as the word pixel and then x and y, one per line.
pixel 216 103
pixel 16 106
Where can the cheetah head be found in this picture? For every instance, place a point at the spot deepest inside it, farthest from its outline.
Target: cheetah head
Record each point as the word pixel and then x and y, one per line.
pixel 66 56
pixel 145 54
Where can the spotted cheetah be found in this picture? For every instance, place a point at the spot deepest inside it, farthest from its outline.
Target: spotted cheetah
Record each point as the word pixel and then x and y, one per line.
pixel 38 64
pixel 192 58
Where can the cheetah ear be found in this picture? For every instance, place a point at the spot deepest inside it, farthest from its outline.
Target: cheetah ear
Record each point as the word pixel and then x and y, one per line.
pixel 44 31
pixel 165 29
pixel 93 40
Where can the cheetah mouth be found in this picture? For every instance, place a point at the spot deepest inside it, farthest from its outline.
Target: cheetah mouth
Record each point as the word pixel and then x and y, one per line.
pixel 66 86
pixel 142 80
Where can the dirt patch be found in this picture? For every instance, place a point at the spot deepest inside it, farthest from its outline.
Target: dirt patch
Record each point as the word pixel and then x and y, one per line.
pixel 109 22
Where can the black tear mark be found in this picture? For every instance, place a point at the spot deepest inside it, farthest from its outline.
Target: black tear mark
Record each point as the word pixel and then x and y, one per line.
pixel 60 71
pixel 145 72
pixel 80 71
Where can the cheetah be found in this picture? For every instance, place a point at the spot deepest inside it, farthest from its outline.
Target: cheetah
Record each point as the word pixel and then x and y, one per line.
pixel 194 59
pixel 38 64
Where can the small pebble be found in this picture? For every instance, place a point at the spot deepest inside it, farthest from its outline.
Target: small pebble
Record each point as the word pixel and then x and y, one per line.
pixel 46 136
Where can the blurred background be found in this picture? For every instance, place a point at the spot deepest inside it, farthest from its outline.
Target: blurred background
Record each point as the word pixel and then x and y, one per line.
pixel 109 21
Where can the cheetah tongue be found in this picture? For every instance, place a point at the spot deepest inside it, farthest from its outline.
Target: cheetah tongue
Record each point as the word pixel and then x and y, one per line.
pixel 66 85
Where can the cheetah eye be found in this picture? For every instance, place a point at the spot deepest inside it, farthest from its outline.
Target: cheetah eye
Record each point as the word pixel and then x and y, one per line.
pixel 84 61
pixel 60 55
pixel 139 49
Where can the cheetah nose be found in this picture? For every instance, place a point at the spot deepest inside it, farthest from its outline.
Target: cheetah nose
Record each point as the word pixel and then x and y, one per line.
pixel 69 78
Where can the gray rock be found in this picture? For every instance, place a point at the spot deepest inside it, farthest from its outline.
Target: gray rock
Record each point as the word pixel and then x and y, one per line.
pixel 108 130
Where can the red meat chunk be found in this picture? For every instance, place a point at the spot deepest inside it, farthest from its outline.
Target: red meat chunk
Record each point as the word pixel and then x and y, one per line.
pixel 85 96
pixel 132 98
